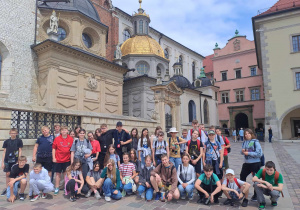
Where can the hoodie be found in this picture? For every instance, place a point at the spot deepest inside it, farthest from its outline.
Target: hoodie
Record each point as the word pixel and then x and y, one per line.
pixel 254 151
pixel 145 175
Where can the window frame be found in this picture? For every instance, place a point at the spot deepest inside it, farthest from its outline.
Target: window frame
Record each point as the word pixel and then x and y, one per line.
pixel 291 43
pixel 126 35
pixel 141 26
pixel 238 95
pixel 295 72
pixel 224 72
pixel 168 55
pixel 238 70
pixel 86 36
pixel 145 65
pixel 255 88
pixel 251 71
pixel 193 70
pixel 223 96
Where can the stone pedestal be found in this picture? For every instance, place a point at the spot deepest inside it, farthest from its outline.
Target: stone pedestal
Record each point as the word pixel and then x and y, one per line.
pixel 52 35
pixel 118 61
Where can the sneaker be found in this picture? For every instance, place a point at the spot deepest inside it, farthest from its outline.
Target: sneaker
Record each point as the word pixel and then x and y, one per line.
pixel 143 195
pixel 97 195
pixel 245 202
pixel 254 198
pixel 89 194
pixel 108 199
pixel 4 192
pixel 200 200
pixel 228 201
pixel 262 206
pixel 72 199
pixel 274 203
pixel 183 198
pixel 44 195
pixel 34 198
pixel 158 195
pixel 22 196
pixel 56 191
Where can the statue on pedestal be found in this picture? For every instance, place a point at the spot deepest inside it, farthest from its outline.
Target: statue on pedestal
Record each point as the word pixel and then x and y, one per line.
pixel 54 22
pixel 118 52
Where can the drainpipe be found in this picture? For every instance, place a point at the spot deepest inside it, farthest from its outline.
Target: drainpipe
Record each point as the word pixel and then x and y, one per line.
pixel 200 108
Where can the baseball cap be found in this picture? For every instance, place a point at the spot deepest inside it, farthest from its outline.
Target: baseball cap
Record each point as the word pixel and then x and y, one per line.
pixel 211 132
pixel 119 124
pixel 229 171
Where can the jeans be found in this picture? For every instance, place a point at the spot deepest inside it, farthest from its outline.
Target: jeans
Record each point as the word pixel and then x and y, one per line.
pixel 209 189
pixel 261 191
pixel 16 186
pixel 242 138
pixel 188 190
pixel 127 188
pixel 270 137
pixel 176 162
pixel 109 188
pixel 142 160
pixel 149 192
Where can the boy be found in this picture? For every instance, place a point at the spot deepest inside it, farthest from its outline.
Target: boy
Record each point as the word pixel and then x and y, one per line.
pixel 12 151
pixel 235 189
pixel 174 147
pixel 268 181
pixel 122 140
pixel 56 130
pixel 17 178
pixel 208 186
pixel 42 151
pixel 105 139
pixel 183 146
pixel 39 181
pixel 159 147
pixel 226 146
pixel 202 136
pixel 61 155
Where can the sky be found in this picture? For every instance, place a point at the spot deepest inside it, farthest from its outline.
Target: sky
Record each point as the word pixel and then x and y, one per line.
pixel 199 24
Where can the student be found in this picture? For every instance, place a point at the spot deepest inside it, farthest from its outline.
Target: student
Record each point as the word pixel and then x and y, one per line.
pixel 202 137
pixel 212 154
pixel 72 134
pixel 268 182
pixel 226 147
pixel 42 151
pixel 112 183
pixel 195 150
pixel 235 189
pixel 94 181
pixel 145 189
pixel 252 152
pixel 208 186
pixel 165 176
pixel 135 138
pixel 144 146
pixel 241 134
pixel 160 146
pixel 17 178
pixel 77 129
pixel 105 139
pixel 133 159
pixel 56 130
pixel 154 137
pixel 97 133
pixel 39 181
pixel 12 150
pixel 95 145
pixel 174 147
pixel 122 140
pixel 183 146
pixel 127 174
pixel 61 155
pixel 186 177
pixel 112 154
pixel 74 178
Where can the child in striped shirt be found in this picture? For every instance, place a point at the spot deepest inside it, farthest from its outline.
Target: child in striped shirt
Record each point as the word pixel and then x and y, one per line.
pixel 127 174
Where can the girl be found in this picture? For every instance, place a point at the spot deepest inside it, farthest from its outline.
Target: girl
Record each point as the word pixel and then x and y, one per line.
pixel 93 180
pixel 135 138
pixel 127 174
pixel 72 134
pixel 145 186
pixel 160 146
pixel 154 137
pixel 72 178
pixel 111 185
pixel 96 146
pixel 144 146
pixel 234 135
pixel 112 154
pixel 77 129
pixel 97 133
pixel 186 178
pixel 133 159
pixel 195 150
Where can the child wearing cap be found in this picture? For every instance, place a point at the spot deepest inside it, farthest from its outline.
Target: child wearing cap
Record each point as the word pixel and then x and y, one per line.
pixel 235 189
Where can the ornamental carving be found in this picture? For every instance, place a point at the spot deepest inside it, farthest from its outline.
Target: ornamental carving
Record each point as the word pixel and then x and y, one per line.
pixel 92 82
pixel 236 45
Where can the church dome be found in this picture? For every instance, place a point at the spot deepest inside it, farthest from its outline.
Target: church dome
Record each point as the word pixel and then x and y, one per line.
pixel 142 45
pixel 84 7
pixel 181 82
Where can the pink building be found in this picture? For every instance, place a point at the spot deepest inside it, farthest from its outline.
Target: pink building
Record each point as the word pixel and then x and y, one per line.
pixel 241 96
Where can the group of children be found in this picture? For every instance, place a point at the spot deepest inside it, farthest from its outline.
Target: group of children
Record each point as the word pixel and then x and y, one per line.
pixel 116 163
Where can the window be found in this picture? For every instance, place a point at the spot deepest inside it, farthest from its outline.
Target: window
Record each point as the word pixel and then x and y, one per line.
pixel 253 71
pixel 180 59
pixel 146 27
pixel 166 53
pixel 216 95
pixel 192 111
pixel 135 27
pixel 141 25
pixel 142 68
pixel 239 95
pixel 194 71
pixel 297 79
pixel 238 74
pixel 87 40
pixel 254 94
pixel 206 112
pixel 158 71
pixel 296 43
pixel 225 97
pixel 224 76
pixel 61 34
pixel 126 35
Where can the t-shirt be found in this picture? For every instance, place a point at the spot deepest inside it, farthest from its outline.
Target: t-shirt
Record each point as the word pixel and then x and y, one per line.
pixel 134 143
pixel 270 179
pixel 241 133
pixel 79 148
pixel 160 147
pixel 127 169
pixel 193 148
pixel 121 136
pixel 145 149
pixel 227 142
pixel 96 146
pixel 95 174
pixel 176 152
pixel 116 158
pixel 75 174
pixel 105 140
pixel 12 150
pixel 233 185
pixel 212 150
pixel 214 178
pixel 44 149
pixel 62 148
pixel 17 172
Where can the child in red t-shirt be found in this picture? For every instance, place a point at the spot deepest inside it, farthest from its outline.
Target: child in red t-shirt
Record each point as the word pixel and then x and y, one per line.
pixel 96 146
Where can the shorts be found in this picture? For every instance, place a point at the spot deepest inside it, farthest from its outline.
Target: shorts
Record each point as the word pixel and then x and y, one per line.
pixel 60 167
pixel 7 166
pixel 46 163
pixel 197 166
pixel 234 196
pixel 226 161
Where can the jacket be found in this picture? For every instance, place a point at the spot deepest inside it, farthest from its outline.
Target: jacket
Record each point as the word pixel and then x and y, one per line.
pixel 145 175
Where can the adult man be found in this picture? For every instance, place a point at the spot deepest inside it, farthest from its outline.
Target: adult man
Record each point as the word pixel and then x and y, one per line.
pixel 122 140
pixel 241 134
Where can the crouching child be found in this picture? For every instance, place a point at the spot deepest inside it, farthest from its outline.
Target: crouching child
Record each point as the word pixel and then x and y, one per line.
pixel 145 188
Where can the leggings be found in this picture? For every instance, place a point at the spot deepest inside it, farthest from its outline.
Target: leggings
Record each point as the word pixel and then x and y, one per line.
pixel 71 187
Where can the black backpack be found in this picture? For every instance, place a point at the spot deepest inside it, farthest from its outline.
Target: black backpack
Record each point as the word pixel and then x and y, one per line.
pixel 165 144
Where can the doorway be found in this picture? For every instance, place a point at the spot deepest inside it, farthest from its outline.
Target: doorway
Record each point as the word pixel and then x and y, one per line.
pixel 241 121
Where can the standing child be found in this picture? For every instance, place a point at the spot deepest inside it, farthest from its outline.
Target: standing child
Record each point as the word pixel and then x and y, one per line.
pixel 127 174
pixel 112 154
pixel 73 178
pixel 234 134
pixel 195 150
pixel 95 145
pixel 56 130
pixel 144 146
pixel 145 187
pixel 133 159
pixel 135 139
pixel 12 150
pixel 174 146
pixel 183 146
pixel 160 147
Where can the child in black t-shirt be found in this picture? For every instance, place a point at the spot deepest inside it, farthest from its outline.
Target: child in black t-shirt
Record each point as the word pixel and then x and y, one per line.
pixel 17 178
pixel 12 151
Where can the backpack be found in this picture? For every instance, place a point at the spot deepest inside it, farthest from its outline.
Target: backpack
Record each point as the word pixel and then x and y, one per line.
pixel 191 132
pixel 276 177
pixel 171 168
pixel 76 141
pixel 165 144
pixel 198 144
pixel 236 182
pixel 228 149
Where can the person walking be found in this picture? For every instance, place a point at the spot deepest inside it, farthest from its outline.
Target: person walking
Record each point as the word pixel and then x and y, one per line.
pixel 270 134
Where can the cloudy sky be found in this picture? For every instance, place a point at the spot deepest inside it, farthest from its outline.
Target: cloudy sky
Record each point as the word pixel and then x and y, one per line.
pixel 199 24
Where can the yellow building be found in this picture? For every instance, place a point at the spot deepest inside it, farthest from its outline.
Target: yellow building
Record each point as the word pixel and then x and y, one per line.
pixel 277 39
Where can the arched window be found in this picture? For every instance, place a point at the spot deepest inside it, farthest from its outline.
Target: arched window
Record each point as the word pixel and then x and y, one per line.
pixel 194 70
pixel 192 111
pixel 62 34
pixel 141 25
pixel 126 35
pixel 87 40
pixel 166 53
pixel 135 27
pixel 158 71
pixel 146 27
pixel 180 59
pixel 206 112
pixel 142 68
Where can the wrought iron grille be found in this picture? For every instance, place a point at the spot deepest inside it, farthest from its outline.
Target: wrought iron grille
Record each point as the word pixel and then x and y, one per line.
pixel 29 124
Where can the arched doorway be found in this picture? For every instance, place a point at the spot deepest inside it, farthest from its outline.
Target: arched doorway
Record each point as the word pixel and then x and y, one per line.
pixel 290 124
pixel 241 121
pixel 168 118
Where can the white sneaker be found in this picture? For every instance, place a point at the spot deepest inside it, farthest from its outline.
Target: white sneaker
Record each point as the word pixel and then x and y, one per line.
pixel 88 194
pixel 182 198
pixel 44 195
pixel 143 195
pixel 97 195
pixel 34 198
pixel 108 199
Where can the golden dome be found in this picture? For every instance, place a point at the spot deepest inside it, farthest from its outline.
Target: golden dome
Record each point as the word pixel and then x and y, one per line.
pixel 142 45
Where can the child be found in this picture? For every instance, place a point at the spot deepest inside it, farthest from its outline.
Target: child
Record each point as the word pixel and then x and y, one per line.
pixel 208 186
pixel 96 146
pixel 235 189
pixel 42 151
pixel 56 130
pixel 73 178
pixel 183 146
pixel 135 138
pixel 72 134
pixel 268 181
pixel 12 150
pixel 159 147
pixel 154 137
pixel 145 184
pixel 186 178
pixel 144 146
pixel 127 174
pixel 61 155
pixel 133 159
pixel 17 179
pixel 174 147
pixel 39 181
pixel 202 137
pixel 94 181
pixel 112 154
pixel 195 150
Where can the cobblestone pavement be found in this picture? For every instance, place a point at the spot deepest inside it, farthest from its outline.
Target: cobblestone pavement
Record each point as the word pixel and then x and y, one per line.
pixel 286 162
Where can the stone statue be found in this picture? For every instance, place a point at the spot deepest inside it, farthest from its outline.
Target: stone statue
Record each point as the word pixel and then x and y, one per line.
pixel 118 52
pixel 155 115
pixel 54 22
pixel 92 82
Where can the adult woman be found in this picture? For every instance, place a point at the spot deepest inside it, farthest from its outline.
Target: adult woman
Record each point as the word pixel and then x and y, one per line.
pixel 93 180
pixel 144 146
